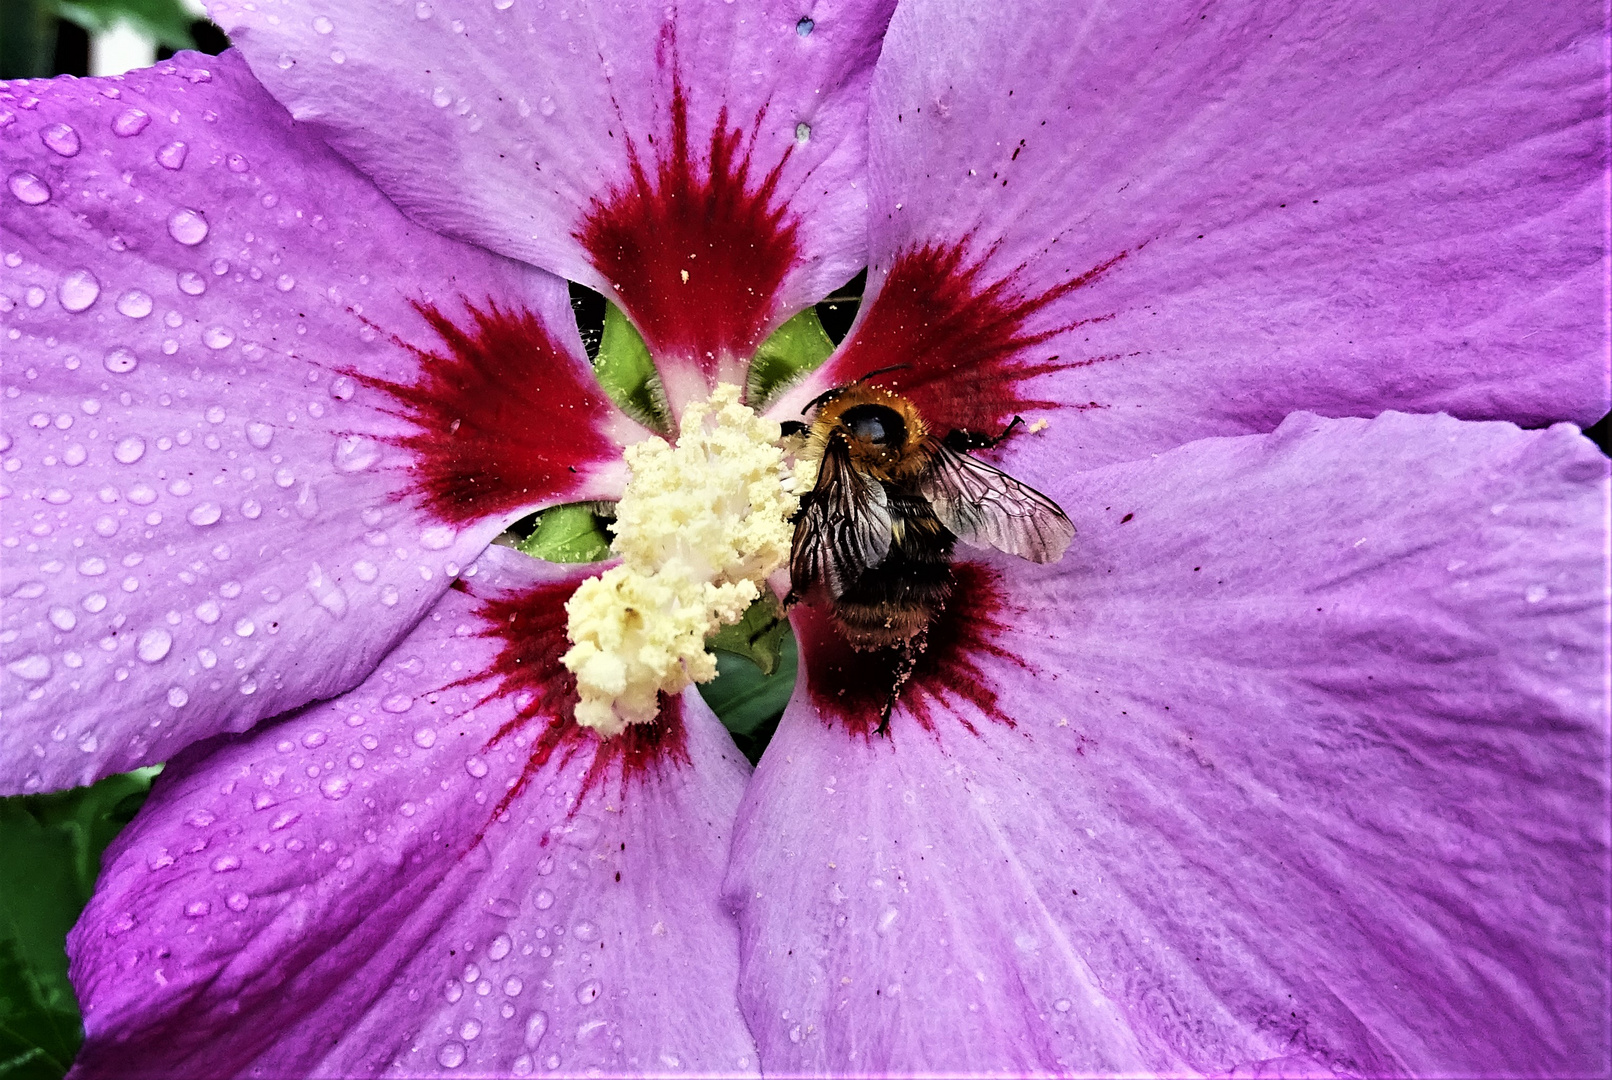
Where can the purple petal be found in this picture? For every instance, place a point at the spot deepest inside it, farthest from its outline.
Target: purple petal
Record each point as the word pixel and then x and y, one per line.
pixel 1297 762
pixel 701 164
pixel 245 444
pixel 1173 221
pixel 439 873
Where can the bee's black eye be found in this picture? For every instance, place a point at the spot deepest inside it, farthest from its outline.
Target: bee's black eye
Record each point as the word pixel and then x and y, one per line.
pixel 878 424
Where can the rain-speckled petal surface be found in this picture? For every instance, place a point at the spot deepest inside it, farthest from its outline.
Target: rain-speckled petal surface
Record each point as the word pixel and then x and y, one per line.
pixel 1297 762
pixel 414 880
pixel 1153 223
pixel 244 445
pixel 702 163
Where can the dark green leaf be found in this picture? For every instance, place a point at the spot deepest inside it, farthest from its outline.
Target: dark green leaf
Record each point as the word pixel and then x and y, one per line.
pixel 757 637
pixel 748 701
pixel 571 533
pixel 793 350
pixel 166 21
pixel 50 854
pixel 628 375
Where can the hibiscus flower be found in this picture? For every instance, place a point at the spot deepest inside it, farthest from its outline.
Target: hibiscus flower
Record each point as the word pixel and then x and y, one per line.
pixel 1295 763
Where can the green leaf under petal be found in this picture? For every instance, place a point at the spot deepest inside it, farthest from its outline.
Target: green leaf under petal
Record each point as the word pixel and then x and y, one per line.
pixel 757 637
pixel 50 855
pixel 748 701
pixel 627 373
pixel 787 356
pixel 569 533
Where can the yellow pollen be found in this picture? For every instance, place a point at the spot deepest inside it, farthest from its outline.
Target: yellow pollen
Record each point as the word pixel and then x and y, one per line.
pixel 698 530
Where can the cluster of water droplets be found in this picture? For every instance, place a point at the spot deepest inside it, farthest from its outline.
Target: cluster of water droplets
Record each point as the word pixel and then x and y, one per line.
pixel 183 475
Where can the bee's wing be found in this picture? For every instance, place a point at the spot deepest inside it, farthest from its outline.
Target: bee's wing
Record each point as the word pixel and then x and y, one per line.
pixel 985 507
pixel 845 528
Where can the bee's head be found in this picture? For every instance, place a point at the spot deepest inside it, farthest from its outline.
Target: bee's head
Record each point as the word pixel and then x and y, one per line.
pixel 882 430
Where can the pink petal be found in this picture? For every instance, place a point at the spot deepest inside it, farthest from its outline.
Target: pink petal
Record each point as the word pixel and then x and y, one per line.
pixel 438 873
pixel 1297 762
pixel 244 442
pixel 1174 221
pixel 699 164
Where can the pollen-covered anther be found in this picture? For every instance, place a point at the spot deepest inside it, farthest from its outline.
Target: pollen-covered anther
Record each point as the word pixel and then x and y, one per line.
pixel 698 530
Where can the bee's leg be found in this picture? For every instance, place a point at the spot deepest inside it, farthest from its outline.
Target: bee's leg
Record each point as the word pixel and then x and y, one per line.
pixel 911 650
pixel 963 440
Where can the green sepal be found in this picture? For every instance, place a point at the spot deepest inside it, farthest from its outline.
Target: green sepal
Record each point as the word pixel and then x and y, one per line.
pixel 792 351
pixel 50 856
pixel 627 373
pixel 757 637
pixel 569 533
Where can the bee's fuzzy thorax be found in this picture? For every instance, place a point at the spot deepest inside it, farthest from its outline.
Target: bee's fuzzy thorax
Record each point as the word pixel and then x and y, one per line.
pixel 891 464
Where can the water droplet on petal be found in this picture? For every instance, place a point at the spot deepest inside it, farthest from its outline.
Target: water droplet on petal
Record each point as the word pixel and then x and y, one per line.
pixel 61 138
pixel 225 863
pixel 589 992
pixel 28 188
pixel 35 668
pixel 441 98
pixel 355 453
pixel 425 738
pixel 63 619
pixel 178 697
pixel 323 25
pixel 499 948
pixel 78 290
pixel 260 435
pixel 206 513
pixel 218 337
pixel 192 283
pixel 804 27
pixel 546 106
pixel 803 132
pixel 131 122
pixel 476 767
pixel 536 1025
pixel 120 361
pixel 470 1029
pixel 285 283
pixel 135 304
pixel 172 156
pixel 437 537
pixel 342 388
pixel 544 899
pixel 238 901
pixel 129 449
pixel 451 1055
pixel 335 787
pixel 197 908
pixel 236 163
pixel 154 644
pixel 188 227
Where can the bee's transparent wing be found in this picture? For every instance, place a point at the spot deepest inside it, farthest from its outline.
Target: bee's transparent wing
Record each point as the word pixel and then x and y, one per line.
pixel 845 528
pixel 985 507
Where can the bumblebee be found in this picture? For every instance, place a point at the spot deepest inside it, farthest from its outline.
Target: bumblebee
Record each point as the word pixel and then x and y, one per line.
pixel 891 500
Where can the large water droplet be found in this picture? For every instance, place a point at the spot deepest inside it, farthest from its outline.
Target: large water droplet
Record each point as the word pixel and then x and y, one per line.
pixel 120 361
pixel 544 899
pixel 78 290
pixel 355 453
pixel 154 644
pixel 441 98
pixel 451 1055
pixel 335 787
pixel 499 947
pixel 178 697
pixel 398 703
pixel 260 435
pixel 135 304
pixel 172 156
pixel 206 513
pixel 437 537
pixel 35 668
pixel 425 738
pixel 192 283
pixel 129 449
pixel 61 138
pixel 536 1026
pixel 218 337
pixel 63 619
pixel 323 25
pixel 470 1029
pixel 28 188
pixel 188 227
pixel 131 122
pixel 589 992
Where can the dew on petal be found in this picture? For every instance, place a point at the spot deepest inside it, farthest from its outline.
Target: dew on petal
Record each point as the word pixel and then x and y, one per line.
pixel 451 1055
pixel 285 283
pixel 335 787
pixel 35 668
pixel 61 138
pixel 129 449
pixel 28 188
pixel 172 156
pixel 804 27
pixel 135 304
pixel 205 513
pixel 192 283
pixel 425 738
pixel 197 908
pixel 260 435
pixel 589 992
pixel 120 361
pixel 499 947
pixel 178 697
pixel 470 1029
pixel 218 337
pixel 78 290
pixel 323 25
pixel 131 122
pixel 154 645
pixel 537 1026
pixel 188 227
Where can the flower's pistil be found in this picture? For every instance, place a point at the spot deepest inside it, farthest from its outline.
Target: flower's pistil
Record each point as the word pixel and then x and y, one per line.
pixel 698 530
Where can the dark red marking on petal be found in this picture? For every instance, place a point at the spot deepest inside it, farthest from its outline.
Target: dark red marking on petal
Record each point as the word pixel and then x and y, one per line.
pixel 960 338
pixel 734 241
pixel 530 626
pixel 852 687
pixel 502 414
